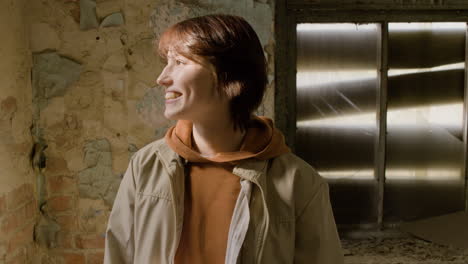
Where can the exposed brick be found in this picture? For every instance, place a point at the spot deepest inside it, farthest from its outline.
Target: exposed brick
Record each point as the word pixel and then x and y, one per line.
pixel 8 106
pixel 20 258
pixel 61 184
pixel 20 195
pixel 2 204
pixel 95 258
pixel 21 239
pixel 31 210
pixel 3 250
pixel 66 222
pixel 95 241
pixel 56 165
pixel 17 218
pixel 12 222
pixel 73 258
pixel 64 240
pixel 60 203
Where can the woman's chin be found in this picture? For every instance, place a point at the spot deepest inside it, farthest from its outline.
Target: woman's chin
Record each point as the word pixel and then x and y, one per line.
pixel 172 115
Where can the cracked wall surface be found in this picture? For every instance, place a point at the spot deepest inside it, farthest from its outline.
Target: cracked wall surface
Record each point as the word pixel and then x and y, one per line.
pixel 18 209
pixel 95 103
pixel 68 133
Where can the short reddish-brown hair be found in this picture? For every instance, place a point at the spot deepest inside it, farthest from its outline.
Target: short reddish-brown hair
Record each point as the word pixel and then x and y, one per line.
pixel 231 45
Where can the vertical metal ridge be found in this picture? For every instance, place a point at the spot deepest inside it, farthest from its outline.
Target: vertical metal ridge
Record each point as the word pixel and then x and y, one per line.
pixel 381 123
pixel 465 129
pixel 292 71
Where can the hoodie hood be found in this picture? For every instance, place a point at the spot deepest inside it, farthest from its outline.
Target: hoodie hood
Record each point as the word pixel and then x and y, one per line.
pixel 261 141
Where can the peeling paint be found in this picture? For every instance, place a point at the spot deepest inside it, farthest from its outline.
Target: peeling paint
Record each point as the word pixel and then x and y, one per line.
pixel 113 20
pixel 52 76
pixel 45 232
pixel 8 108
pixel 150 109
pixel 88 17
pixel 98 181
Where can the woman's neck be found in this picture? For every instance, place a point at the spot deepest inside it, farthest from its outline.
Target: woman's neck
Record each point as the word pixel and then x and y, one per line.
pixel 215 137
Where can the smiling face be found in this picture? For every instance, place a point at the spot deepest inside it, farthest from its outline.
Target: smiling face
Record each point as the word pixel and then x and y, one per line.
pixel 190 90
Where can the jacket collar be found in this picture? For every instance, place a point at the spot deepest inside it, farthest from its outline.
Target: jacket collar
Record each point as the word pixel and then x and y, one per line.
pixel 251 169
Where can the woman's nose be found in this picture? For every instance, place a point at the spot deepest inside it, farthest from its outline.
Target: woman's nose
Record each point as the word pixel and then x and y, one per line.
pixel 164 79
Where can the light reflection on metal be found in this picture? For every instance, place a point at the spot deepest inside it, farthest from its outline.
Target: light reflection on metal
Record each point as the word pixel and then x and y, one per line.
pixel 303 78
pixel 337 71
pixel 332 27
pixel 424 153
pixel 433 26
pixel 446 175
pixel 360 175
pixel 344 121
pixel 440 175
pixel 453 66
pixel 447 115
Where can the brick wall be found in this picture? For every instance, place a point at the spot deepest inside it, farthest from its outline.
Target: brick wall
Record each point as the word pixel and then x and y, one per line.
pixel 17 220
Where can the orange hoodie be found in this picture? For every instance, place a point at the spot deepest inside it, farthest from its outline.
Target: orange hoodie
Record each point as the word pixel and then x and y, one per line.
pixel 211 188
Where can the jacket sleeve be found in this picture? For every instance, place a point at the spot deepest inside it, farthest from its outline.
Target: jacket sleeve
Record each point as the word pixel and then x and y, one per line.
pixel 120 245
pixel 317 239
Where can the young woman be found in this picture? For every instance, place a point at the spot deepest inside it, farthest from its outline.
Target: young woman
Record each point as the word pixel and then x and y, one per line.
pixel 222 186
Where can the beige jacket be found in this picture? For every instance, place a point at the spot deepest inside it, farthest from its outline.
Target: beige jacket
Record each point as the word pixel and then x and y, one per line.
pixel 282 215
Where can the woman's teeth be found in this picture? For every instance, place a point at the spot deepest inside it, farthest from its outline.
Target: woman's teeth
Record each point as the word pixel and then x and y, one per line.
pixel 172 95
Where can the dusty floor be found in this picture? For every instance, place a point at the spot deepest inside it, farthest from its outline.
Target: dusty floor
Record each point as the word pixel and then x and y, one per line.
pixel 401 251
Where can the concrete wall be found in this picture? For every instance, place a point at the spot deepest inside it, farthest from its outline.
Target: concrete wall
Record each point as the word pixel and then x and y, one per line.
pixel 17 200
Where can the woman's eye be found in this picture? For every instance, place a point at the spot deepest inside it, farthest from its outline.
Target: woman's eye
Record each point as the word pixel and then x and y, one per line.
pixel 178 62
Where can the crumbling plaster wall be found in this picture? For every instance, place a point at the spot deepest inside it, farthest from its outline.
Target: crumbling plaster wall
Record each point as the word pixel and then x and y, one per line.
pixel 17 203
pixel 95 102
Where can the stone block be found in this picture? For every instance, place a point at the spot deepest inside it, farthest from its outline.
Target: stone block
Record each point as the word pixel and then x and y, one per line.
pixel 43 37
pixel 98 181
pixel 113 20
pixel 52 75
pixel 88 16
